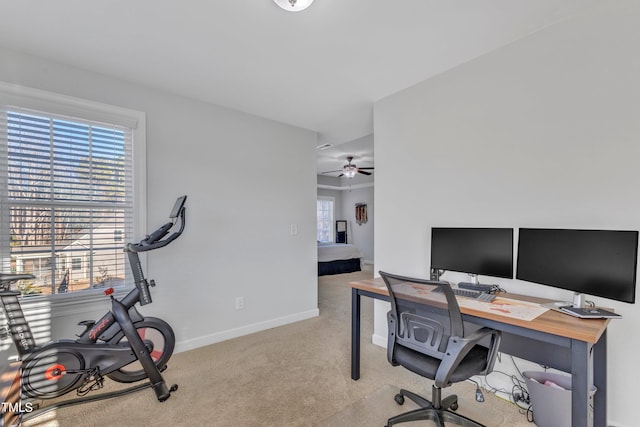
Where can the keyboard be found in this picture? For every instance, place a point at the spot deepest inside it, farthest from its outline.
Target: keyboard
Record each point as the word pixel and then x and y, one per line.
pixel 466 293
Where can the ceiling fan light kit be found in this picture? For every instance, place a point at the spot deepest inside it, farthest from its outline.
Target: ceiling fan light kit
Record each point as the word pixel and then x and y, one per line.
pixel 350 170
pixel 293 5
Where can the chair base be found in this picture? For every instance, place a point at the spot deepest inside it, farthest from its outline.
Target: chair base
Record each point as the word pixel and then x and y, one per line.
pixel 438 410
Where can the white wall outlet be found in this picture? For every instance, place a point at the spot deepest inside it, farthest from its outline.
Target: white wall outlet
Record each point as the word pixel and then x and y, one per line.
pixel 239 303
pixel 294 229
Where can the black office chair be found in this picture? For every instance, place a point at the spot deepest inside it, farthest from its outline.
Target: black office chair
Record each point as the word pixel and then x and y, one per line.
pixel 426 336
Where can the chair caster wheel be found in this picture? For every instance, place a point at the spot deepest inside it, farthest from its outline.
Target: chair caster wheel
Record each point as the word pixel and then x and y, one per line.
pixel 173 388
pixel 454 406
pixel 399 399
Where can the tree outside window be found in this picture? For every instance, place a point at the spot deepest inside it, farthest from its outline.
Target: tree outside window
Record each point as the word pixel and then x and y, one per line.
pixel 68 196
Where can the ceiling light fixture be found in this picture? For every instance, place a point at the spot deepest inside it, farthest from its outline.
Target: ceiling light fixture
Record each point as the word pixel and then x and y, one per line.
pixel 349 170
pixel 293 5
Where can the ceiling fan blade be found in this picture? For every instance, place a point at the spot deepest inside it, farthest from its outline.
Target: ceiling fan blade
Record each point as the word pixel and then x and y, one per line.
pixel 340 175
pixel 366 168
pixel 339 170
pixel 363 172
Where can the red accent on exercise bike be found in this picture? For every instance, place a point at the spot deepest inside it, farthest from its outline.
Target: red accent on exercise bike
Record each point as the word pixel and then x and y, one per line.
pixel 108 291
pixel 54 372
pixel 97 329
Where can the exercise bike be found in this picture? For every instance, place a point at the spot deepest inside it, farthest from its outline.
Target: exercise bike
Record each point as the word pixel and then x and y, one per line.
pixel 123 345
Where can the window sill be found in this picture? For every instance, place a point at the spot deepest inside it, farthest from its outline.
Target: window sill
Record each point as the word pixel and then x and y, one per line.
pixel 71 303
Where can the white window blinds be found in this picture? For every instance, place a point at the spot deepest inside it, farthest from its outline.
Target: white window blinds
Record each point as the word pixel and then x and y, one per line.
pixel 67 200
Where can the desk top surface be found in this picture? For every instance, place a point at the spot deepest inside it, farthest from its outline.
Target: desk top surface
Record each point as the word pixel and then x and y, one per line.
pixel 552 322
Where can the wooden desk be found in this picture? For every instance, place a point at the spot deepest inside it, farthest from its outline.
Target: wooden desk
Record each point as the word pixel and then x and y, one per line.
pixel 553 339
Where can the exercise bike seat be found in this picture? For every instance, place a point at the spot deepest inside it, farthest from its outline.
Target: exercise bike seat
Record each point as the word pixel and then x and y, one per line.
pixel 7 278
pixel 12 277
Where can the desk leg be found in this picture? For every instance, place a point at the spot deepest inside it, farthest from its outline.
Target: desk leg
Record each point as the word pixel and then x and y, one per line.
pixel 581 381
pixel 600 381
pixel 355 334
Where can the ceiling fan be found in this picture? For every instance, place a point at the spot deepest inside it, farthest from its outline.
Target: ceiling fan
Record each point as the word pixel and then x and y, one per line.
pixel 350 170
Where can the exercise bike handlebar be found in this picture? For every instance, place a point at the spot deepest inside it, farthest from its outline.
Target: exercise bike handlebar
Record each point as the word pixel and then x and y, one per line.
pixel 155 240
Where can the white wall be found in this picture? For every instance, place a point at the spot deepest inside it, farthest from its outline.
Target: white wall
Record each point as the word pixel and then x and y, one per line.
pixel 236 170
pixel 542 133
pixel 360 235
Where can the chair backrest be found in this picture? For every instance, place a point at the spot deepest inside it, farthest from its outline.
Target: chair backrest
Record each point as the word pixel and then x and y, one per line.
pixel 424 315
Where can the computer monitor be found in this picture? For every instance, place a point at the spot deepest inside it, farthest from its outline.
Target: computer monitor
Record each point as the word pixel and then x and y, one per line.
pixel 595 262
pixel 475 251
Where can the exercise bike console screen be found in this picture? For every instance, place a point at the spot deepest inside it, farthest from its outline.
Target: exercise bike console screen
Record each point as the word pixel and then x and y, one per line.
pixel 163 230
pixel 177 207
pixel 595 262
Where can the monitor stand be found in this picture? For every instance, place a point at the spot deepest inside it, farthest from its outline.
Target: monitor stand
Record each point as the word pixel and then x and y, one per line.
pixel 579 300
pixel 435 274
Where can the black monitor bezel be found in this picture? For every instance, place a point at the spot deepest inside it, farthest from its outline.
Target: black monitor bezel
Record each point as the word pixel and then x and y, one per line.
pixel 581 289
pixel 510 275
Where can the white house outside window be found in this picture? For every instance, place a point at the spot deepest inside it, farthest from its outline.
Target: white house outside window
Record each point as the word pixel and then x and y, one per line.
pixel 67 191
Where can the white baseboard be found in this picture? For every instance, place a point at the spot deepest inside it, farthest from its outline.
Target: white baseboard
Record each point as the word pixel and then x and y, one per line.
pixel 190 344
pixel 379 340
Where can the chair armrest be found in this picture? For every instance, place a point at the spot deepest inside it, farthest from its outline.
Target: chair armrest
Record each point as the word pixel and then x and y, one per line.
pixel 459 347
pixel 392 326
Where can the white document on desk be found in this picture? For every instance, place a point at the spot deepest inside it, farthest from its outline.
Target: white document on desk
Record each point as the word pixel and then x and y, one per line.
pixel 507 307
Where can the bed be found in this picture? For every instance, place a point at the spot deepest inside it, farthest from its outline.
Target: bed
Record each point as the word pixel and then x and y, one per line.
pixel 338 258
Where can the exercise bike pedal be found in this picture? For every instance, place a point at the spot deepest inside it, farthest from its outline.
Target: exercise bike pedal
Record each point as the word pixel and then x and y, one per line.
pixel 93 380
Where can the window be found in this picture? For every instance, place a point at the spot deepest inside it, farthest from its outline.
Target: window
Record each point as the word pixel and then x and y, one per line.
pixel 325 219
pixel 67 197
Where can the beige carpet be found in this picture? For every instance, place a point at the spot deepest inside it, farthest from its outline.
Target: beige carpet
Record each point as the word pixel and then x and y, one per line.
pixel 294 375
pixel 374 410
